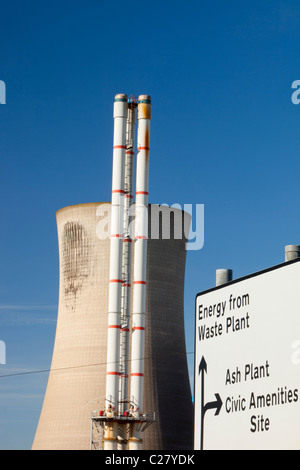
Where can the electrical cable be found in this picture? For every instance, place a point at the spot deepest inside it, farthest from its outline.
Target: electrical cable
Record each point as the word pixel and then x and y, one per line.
pixel 42 371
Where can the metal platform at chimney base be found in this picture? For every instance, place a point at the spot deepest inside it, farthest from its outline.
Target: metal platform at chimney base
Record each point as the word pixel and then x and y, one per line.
pixel 100 418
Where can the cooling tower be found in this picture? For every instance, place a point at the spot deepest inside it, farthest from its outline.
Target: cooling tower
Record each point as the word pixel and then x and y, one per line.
pixel 77 378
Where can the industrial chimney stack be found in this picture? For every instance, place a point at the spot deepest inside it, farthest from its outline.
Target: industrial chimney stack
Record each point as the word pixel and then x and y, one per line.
pixel 123 416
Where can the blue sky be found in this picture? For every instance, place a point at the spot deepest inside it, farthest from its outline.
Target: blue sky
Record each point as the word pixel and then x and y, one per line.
pixel 224 133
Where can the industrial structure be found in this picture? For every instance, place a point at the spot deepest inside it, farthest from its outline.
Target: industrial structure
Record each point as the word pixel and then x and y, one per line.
pixel 120 268
pixel 119 370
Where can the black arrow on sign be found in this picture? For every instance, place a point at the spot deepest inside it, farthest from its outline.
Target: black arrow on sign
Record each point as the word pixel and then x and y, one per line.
pixel 217 404
pixel 214 404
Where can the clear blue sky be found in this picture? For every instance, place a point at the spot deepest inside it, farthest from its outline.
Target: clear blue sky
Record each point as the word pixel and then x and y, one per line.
pixel 224 133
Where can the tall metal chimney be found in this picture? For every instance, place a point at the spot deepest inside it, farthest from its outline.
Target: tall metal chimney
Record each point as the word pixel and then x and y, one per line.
pixel 126 271
pixel 115 273
pixel 140 267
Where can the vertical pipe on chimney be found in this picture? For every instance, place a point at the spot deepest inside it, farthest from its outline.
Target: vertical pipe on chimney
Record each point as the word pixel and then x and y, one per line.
pixel 115 272
pixel 223 276
pixel 126 271
pixel 292 252
pixel 140 267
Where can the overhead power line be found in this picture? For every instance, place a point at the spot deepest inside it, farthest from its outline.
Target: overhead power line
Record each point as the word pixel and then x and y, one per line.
pixel 42 371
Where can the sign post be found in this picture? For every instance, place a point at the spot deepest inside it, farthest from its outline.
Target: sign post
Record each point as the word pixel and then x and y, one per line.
pixel 247 362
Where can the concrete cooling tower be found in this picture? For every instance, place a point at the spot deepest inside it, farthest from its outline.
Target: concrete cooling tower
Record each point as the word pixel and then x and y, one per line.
pixel 77 379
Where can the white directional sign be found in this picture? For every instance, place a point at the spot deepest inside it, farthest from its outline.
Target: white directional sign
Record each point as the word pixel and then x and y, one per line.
pixel 247 362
